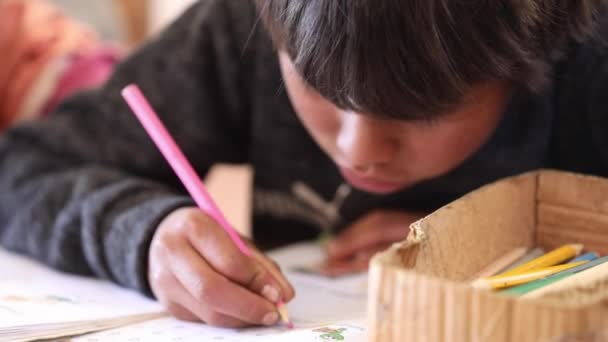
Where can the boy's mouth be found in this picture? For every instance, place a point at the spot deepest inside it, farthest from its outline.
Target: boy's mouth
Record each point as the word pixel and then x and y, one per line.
pixel 370 184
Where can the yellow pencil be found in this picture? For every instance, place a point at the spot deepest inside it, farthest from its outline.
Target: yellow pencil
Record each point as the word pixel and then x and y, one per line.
pixel 552 258
pixel 502 281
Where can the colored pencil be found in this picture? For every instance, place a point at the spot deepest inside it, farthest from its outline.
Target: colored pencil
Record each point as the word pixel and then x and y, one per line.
pixel 552 258
pixel 541 283
pixel 580 279
pixel 504 281
pixel 184 170
pixel 533 254
pixel 590 256
pixel 177 160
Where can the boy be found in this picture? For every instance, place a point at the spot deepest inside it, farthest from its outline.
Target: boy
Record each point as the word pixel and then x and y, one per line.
pixel 413 103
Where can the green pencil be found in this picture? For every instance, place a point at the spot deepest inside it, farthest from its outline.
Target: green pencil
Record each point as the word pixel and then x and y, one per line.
pixel 537 284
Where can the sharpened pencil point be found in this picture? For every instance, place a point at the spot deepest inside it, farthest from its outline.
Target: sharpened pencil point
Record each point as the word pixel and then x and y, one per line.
pixel 284 314
pixel 481 284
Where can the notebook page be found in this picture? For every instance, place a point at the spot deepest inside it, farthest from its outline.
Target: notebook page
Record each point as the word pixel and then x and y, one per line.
pixel 31 293
pixel 323 310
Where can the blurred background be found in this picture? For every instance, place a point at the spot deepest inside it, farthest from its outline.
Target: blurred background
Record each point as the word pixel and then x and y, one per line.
pixel 132 21
pixel 125 20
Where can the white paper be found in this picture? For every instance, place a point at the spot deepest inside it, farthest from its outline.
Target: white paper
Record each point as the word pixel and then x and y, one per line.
pixel 31 293
pixel 323 310
pixel 170 329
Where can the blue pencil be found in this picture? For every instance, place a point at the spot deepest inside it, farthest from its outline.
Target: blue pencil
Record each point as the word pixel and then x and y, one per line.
pixel 586 257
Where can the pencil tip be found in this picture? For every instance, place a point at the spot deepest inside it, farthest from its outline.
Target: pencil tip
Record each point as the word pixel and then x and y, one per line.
pixel 284 314
pixel 480 284
pixel 578 247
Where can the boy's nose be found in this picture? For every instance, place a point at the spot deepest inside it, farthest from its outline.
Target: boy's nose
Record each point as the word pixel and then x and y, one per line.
pixel 366 143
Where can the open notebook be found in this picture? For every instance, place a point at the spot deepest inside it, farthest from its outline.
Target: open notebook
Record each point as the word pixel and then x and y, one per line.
pixel 36 303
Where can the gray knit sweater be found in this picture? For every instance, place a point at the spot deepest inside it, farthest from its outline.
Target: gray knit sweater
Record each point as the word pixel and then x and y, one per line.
pixel 84 189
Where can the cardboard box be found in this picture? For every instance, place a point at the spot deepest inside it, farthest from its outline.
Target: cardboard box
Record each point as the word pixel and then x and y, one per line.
pixel 420 289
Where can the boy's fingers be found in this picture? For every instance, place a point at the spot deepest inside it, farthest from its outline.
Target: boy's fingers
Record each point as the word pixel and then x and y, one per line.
pixel 212 291
pixel 189 311
pixel 221 320
pixel 287 291
pixel 183 306
pixel 220 252
pixel 181 313
pixel 248 306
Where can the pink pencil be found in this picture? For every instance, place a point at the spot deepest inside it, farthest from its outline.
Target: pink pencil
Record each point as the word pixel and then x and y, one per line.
pixel 172 153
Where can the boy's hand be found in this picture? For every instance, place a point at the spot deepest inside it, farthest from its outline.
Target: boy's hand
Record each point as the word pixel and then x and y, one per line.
pixel 198 273
pixel 352 249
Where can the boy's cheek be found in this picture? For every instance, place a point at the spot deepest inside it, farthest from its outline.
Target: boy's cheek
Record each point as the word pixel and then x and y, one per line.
pixel 434 149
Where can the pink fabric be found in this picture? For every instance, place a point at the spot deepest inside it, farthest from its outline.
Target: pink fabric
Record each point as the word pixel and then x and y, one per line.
pixel 84 71
pixel 34 36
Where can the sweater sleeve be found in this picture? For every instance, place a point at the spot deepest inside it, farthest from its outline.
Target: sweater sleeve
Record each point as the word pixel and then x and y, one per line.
pixel 84 189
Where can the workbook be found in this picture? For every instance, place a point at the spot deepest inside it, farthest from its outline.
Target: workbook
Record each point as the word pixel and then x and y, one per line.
pixel 39 303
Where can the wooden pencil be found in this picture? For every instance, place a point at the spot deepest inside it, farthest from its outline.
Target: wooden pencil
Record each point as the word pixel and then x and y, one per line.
pixel 504 281
pixel 555 257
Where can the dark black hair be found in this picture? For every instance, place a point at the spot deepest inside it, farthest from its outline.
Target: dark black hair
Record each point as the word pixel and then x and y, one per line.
pixel 413 59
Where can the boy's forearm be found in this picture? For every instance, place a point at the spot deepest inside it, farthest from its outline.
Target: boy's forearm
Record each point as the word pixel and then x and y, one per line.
pixel 84 189
pixel 85 219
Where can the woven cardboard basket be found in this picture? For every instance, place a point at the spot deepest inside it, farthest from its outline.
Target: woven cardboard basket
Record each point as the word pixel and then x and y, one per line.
pixel 420 288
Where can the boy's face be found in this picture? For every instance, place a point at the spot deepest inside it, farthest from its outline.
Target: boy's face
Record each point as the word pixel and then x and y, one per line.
pixel 382 155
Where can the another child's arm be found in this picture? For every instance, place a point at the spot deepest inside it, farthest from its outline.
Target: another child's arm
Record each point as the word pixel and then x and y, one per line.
pixel 85 189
